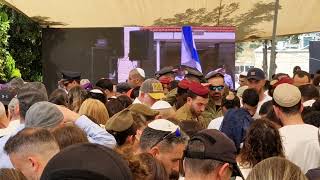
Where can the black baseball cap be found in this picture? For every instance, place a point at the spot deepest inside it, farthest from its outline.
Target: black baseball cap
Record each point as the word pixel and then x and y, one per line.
pixel 256 73
pixel 217 147
pixel 6 95
pixel 214 74
pixel 87 161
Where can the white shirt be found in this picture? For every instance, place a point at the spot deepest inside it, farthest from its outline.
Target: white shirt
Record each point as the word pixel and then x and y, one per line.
pixel 301 145
pixel 136 101
pixel 244 171
pixel 13 125
pixel 265 99
pixel 216 123
pixel 309 103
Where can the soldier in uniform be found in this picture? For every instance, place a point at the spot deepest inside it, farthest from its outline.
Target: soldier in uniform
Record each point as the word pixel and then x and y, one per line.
pixel 190 74
pixel 217 89
pixel 197 100
pixel 70 79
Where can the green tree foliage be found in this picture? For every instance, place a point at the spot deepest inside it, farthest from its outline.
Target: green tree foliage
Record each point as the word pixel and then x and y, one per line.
pixel 8 69
pixel 25 44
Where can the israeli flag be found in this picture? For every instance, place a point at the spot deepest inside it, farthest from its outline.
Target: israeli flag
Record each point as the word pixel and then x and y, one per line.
pixel 189 54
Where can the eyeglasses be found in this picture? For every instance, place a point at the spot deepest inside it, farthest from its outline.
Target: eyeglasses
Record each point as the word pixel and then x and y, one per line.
pixel 214 88
pixel 176 133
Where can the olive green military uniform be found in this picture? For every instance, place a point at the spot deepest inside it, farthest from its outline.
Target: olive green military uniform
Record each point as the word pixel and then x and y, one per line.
pixel 211 112
pixel 184 114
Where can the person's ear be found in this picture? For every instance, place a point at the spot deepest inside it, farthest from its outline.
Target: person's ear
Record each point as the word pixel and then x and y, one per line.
pixel 301 107
pixel 276 111
pixel 130 139
pixel 189 100
pixel 34 164
pixel 154 151
pixel 224 172
pixel 138 134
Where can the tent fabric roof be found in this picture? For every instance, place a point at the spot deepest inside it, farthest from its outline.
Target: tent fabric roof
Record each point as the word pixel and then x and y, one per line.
pixel 252 19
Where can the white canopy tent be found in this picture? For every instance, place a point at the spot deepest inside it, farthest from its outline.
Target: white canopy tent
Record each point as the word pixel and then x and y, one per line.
pixel 253 19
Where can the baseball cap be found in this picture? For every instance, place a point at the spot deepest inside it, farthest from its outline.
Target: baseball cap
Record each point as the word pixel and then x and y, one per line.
pixel 121 121
pixel 87 161
pixel 6 95
pixel 286 95
pixel 212 74
pixel 153 88
pixel 217 147
pixel 198 89
pixel 161 105
pixel 43 114
pixel 256 73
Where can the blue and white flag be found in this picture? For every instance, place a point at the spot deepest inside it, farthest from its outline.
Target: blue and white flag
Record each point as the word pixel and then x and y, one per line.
pixel 189 54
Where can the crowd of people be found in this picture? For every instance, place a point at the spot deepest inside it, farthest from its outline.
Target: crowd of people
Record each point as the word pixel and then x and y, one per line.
pixel 160 128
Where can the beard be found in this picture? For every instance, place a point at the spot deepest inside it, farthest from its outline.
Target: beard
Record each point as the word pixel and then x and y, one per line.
pixel 174 175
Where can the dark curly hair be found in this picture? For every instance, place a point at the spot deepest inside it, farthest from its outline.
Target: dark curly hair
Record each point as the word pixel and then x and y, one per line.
pixel 261 142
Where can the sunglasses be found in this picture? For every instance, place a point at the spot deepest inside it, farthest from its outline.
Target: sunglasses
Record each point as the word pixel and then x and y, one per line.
pixel 214 88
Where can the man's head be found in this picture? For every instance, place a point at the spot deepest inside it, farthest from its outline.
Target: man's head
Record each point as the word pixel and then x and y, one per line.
pixel 168 72
pixel 308 92
pixel 166 142
pixel 296 69
pixel 136 77
pixel 122 127
pixel 216 80
pixel 192 74
pixel 151 91
pixel 107 86
pixel 30 150
pixel 256 79
pixel 13 109
pixel 250 100
pixel 45 115
pixel 210 155
pixel 197 98
pixel 243 79
pixel 301 78
pixel 287 101
pixel 29 95
pixel 70 79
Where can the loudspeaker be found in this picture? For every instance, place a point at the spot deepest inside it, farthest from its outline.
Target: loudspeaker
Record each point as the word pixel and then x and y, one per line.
pixel 314 60
pixel 141 45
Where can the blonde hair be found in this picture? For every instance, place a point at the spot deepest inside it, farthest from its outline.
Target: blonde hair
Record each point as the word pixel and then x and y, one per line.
pixel 276 168
pixel 95 110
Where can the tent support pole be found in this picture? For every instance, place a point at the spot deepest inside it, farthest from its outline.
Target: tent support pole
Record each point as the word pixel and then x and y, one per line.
pixel 273 65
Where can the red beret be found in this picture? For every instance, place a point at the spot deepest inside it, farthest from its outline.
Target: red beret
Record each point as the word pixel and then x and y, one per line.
pixel 184 84
pixel 198 89
pixel 287 80
pixel 165 80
